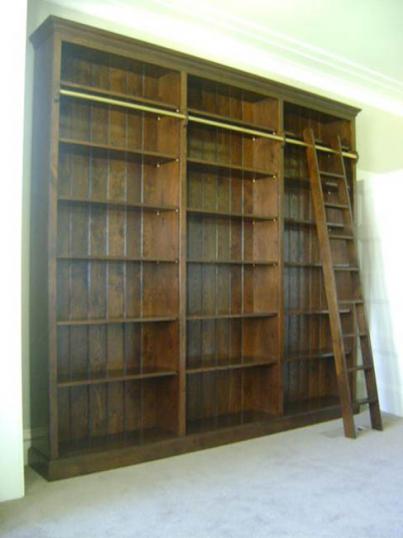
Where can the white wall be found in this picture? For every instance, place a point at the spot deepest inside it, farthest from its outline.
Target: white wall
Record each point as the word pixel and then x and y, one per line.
pixel 12 45
pixel 379 229
pixel 379 131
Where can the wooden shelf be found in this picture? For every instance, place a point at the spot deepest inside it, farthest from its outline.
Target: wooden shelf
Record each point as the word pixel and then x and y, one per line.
pixel 231 120
pixel 334 205
pixel 305 222
pixel 341 237
pixel 227 168
pixel 112 321
pixel 219 364
pixel 314 312
pixel 117 259
pixel 114 441
pixel 304 182
pixel 234 262
pixel 318 265
pixel 233 316
pixel 303 265
pixel 298 356
pixel 309 405
pixel 232 215
pixel 308 355
pixel 144 156
pixel 115 376
pixel 230 420
pixel 117 204
pixel 117 95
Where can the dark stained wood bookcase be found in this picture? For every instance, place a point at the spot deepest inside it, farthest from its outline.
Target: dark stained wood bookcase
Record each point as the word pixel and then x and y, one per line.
pixel 177 299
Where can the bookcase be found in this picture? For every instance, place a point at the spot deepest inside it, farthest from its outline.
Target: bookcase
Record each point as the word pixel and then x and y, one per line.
pixel 176 295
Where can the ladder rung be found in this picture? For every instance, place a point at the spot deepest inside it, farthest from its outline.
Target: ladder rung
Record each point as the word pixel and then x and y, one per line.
pixel 339 236
pixel 363 401
pixel 359 368
pixel 331 174
pixel 336 206
pixel 351 301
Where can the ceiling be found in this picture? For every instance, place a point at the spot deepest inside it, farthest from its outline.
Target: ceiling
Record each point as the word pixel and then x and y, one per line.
pixel 353 49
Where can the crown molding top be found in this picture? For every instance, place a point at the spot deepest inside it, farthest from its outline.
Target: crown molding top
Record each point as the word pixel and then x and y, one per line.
pixel 221 32
pixel 67 28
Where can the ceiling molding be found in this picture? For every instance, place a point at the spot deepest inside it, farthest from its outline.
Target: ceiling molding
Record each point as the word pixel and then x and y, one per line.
pixel 276 42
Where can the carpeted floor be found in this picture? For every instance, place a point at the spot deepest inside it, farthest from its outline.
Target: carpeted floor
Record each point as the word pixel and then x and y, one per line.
pixel 309 483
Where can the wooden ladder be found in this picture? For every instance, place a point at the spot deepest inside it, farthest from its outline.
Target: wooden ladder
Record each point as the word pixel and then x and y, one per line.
pixel 329 246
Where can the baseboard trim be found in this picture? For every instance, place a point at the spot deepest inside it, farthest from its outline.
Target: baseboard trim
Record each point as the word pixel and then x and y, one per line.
pixel 29 435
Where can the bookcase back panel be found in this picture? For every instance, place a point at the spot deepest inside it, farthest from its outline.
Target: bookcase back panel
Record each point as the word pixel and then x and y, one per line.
pixel 208 190
pixel 129 129
pixel 105 176
pixel 98 70
pixel 232 103
pixel 109 413
pixel 325 126
pixel 100 352
pixel 231 148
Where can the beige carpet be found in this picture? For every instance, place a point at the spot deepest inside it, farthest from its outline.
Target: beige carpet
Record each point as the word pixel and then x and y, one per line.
pixel 308 483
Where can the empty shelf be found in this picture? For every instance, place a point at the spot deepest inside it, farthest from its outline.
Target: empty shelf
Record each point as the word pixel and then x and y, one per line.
pixel 216 365
pixel 114 321
pixel 113 377
pixel 116 204
pixel 232 215
pixel 227 168
pixel 146 156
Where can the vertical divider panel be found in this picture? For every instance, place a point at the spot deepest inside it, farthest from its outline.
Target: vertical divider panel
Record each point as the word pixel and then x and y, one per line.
pixel 182 258
pixel 52 248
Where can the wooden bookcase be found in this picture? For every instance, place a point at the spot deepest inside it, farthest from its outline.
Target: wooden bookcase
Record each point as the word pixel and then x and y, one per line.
pixel 176 291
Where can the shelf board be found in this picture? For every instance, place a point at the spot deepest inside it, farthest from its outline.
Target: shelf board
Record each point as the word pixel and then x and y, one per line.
pixel 233 262
pixel 341 237
pixel 334 205
pixel 231 120
pixel 226 168
pixel 116 204
pixel 303 265
pixel 233 316
pixel 336 267
pixel 84 88
pixel 314 312
pixel 232 215
pixel 355 335
pixel 308 355
pixel 146 156
pixel 114 441
pixel 309 405
pixel 298 356
pixel 227 421
pixel 117 259
pixel 306 222
pixel 304 182
pixel 219 364
pixel 116 321
pixel 115 376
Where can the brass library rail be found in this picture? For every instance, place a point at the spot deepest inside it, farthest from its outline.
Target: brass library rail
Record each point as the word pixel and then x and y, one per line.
pixel 197 119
